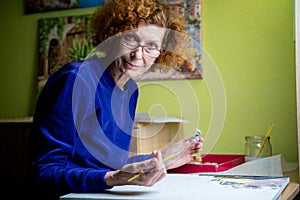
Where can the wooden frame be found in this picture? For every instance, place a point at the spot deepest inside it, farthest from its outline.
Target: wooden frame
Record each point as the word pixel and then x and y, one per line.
pixel 61 40
pixel 297 45
pixel 37 6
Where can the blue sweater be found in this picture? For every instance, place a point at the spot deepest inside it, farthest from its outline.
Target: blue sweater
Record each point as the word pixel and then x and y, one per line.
pixel 82 129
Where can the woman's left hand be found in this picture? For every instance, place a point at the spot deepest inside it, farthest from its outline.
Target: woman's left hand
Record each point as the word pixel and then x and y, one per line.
pixel 182 152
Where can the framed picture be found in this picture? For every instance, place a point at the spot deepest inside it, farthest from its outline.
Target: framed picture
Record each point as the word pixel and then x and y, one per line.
pixel 61 40
pixel 65 39
pixel 35 6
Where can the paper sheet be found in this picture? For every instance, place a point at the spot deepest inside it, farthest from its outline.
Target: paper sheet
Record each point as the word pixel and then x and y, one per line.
pixel 267 166
pixel 288 166
pixel 195 187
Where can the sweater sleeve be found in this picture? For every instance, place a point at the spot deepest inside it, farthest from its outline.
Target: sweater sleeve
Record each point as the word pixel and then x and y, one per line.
pixel 139 158
pixel 57 168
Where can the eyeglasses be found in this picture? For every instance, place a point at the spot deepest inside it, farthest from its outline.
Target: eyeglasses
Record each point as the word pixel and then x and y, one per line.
pixel 131 42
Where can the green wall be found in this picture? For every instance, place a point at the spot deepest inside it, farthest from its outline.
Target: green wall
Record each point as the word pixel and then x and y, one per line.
pixel 249 74
pixel 252 44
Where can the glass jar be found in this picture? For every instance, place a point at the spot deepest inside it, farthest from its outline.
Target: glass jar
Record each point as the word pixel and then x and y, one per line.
pixel 253 148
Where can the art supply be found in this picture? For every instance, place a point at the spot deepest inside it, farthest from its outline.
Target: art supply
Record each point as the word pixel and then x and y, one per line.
pixel 134 177
pixel 258 146
pixel 197 137
pixel 267 137
pixel 211 163
pixel 198 134
pixel 164 160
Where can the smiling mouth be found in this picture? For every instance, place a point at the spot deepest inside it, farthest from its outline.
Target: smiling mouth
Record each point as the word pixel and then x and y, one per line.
pixel 131 66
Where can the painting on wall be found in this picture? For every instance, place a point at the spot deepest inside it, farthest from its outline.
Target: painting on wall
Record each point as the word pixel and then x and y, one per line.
pixel 61 40
pixel 36 6
pixel 65 39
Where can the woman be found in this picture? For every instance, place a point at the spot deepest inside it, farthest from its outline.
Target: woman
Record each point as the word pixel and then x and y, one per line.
pixel 84 115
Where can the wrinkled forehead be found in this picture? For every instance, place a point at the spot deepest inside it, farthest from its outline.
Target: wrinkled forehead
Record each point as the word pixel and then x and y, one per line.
pixel 149 31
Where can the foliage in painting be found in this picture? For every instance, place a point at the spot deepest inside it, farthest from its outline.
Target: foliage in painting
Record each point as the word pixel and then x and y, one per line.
pixel 61 40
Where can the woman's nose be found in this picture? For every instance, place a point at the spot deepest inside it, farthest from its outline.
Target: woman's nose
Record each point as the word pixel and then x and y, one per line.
pixel 138 52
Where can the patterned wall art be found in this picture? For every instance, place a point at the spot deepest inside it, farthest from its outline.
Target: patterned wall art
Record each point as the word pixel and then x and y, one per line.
pixel 61 40
pixel 36 6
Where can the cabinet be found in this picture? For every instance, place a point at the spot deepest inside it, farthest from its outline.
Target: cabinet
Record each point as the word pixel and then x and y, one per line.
pixel 155 133
pixel 14 158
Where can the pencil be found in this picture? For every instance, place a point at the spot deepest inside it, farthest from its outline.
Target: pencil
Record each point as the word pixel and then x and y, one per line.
pixel 134 177
pixel 164 160
pixel 264 140
pixel 197 137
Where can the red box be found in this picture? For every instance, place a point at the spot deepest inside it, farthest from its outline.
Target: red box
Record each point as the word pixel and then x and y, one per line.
pixel 211 163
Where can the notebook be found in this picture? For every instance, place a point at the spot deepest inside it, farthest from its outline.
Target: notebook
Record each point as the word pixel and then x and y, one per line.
pixel 196 186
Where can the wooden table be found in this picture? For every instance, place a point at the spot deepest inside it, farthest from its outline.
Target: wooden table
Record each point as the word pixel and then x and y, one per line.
pixel 292 188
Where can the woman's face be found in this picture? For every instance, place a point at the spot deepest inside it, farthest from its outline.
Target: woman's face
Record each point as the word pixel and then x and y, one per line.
pixel 139 48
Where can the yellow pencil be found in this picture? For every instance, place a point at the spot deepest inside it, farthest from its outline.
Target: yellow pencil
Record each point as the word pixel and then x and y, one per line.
pixel 134 177
pixel 264 140
pixel 197 137
pixel 164 160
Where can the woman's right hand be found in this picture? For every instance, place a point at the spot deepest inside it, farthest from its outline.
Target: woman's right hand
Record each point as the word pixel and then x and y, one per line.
pixel 148 172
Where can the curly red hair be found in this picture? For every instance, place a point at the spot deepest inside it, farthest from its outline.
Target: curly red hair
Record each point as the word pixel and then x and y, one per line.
pixel 118 16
